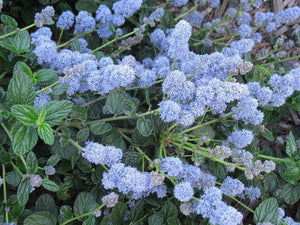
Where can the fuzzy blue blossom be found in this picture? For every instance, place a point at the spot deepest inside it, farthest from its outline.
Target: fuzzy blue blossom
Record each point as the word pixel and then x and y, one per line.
pixel 118 20
pixel 252 193
pixel 49 170
pixel 194 18
pixel 105 61
pixel 127 8
pixel 243 158
pixel 244 18
pixel 84 45
pixel 161 65
pixel 186 118
pixel 178 40
pixel 288 15
pixel 245 31
pixel 257 38
pixel 158 38
pixel 271 27
pixel 214 3
pixel 232 12
pixel 84 23
pixel 100 154
pixel 183 191
pixel 40 35
pixel 246 110
pixel 44 17
pixel 259 18
pixel 46 52
pixel 277 100
pixel 103 14
pixel 295 73
pixel 161 191
pixel 103 31
pixel 262 94
pixel 290 221
pixel 146 78
pixel 241 138
pixel 65 20
pixel 232 186
pixel 41 99
pixel 282 85
pixel 178 2
pixel 169 110
pixel 172 166
pixel 239 47
pixel 156 16
pixel 177 87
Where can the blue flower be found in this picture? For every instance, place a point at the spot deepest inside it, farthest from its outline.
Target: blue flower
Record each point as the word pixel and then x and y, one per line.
pixel 183 191
pixel 66 20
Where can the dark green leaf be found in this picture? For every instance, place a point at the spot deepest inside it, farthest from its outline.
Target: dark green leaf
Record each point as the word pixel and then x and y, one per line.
pixel 20 89
pixel 17 210
pixel 267 135
pixel 84 203
pixel 23 191
pixel 100 128
pixel 115 139
pixel 65 213
pixel 292 174
pixel 9 21
pixel 50 185
pixel 291 147
pixel 13 178
pixel 83 135
pixel 60 89
pixel 53 160
pixel 24 138
pixel 267 211
pixel 46 133
pixel 45 75
pixel 32 163
pixel 129 107
pixel 290 193
pixel 137 211
pixel 218 169
pixel 114 101
pixel 41 218
pixel 79 112
pixel 155 219
pixel 132 158
pixel 26 114
pixel 173 221
pixel 144 126
pixel 168 20
pixel 89 221
pixel 22 41
pixel 86 5
pixel 46 202
pixel 118 213
pixel 57 111
pixel 169 210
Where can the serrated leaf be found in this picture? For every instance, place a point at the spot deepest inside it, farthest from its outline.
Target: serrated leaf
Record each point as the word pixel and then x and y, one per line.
pixel 115 139
pixel 56 111
pixel 50 185
pixel 83 135
pixel 13 178
pixel 169 210
pixel 100 128
pixel 22 41
pixel 46 133
pixel 132 158
pixel 40 218
pixel 45 75
pixel 155 219
pixel 20 89
pixel 114 101
pixel 118 213
pixel 9 21
pixel 291 147
pixel 53 160
pixel 290 193
pixel 144 126
pixel 46 202
pixel 26 114
pixel 267 211
pixel 84 203
pixel 292 174
pixel 24 138
pixel 23 191
pixel 65 213
pixel 32 163
pixel 89 221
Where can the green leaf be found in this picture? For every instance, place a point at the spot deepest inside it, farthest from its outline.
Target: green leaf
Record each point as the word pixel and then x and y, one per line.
pixel 17 210
pixel 86 5
pixel 57 111
pixel 218 169
pixel 267 135
pixel 23 68
pixel 41 218
pixel 132 158
pixel 118 213
pixel 24 138
pixel 9 21
pixel 84 203
pixel 83 135
pixel 267 211
pixel 114 138
pixel 46 202
pixel 22 41
pixel 129 107
pixel 65 213
pixel 50 185
pixel 114 101
pixel 173 221
pixel 169 210
pixel 89 221
pixel 76 46
pixel 13 178
pixel 45 75
pixel 46 133
pixel 291 147
pixel 155 219
pixel 292 174
pixel 53 160
pixel 100 128
pixel 23 191
pixel 168 19
pixel 26 114
pixel 290 193
pixel 137 211
pixel 20 89
pixel 144 126
pixel 32 163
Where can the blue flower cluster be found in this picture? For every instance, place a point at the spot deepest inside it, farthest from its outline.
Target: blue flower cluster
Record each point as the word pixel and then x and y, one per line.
pixel 232 186
pixel 44 17
pixel 100 154
pixel 66 20
pixel 241 138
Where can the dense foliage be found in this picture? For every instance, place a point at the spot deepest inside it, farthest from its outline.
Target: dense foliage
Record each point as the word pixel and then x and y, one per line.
pixel 149 112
